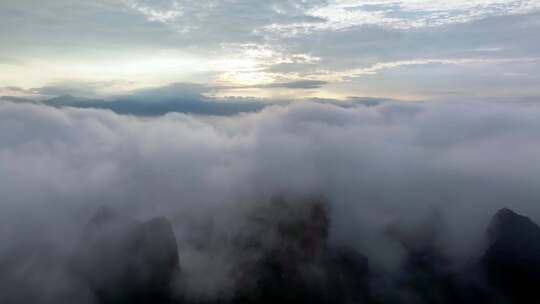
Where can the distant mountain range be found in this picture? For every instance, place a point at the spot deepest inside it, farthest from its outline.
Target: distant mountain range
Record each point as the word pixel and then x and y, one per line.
pixel 154 105
pixel 149 106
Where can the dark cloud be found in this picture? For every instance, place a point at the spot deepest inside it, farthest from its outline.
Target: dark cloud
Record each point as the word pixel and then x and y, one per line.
pixel 16 90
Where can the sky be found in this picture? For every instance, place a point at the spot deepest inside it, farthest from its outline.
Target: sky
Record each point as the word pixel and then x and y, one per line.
pixel 275 49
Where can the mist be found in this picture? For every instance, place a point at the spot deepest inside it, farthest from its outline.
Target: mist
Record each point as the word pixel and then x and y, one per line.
pixel 434 172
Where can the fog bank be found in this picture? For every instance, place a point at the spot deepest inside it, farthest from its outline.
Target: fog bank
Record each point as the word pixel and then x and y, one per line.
pixel 433 172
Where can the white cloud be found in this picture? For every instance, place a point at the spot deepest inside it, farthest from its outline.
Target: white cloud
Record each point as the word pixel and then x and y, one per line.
pixel 375 165
pixel 157 11
pixel 343 75
pixel 340 14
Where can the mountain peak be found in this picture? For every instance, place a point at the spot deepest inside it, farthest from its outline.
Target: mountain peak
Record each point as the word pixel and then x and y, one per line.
pixel 512 262
pixel 509 225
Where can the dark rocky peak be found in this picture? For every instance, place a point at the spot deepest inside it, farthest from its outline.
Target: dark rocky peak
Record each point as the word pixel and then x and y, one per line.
pixel 126 261
pixel 512 261
pixel 297 228
pixel 508 226
pixel 295 263
pixel 156 241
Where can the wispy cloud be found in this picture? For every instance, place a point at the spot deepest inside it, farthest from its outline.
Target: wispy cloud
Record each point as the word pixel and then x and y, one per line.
pixel 340 14
pixel 328 75
pixel 167 12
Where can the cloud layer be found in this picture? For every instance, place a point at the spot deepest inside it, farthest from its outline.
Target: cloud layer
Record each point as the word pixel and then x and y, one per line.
pixel 382 166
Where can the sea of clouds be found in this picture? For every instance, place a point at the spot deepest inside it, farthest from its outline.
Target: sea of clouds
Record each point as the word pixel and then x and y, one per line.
pixel 437 170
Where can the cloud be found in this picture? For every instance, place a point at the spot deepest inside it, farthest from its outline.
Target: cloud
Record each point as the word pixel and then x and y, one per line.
pixel 340 14
pixel 369 46
pixel 16 90
pixel 89 89
pixel 278 41
pixel 377 166
pixel 381 66
pixel 159 11
pixel 289 19
pixel 300 85
pixel 173 90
